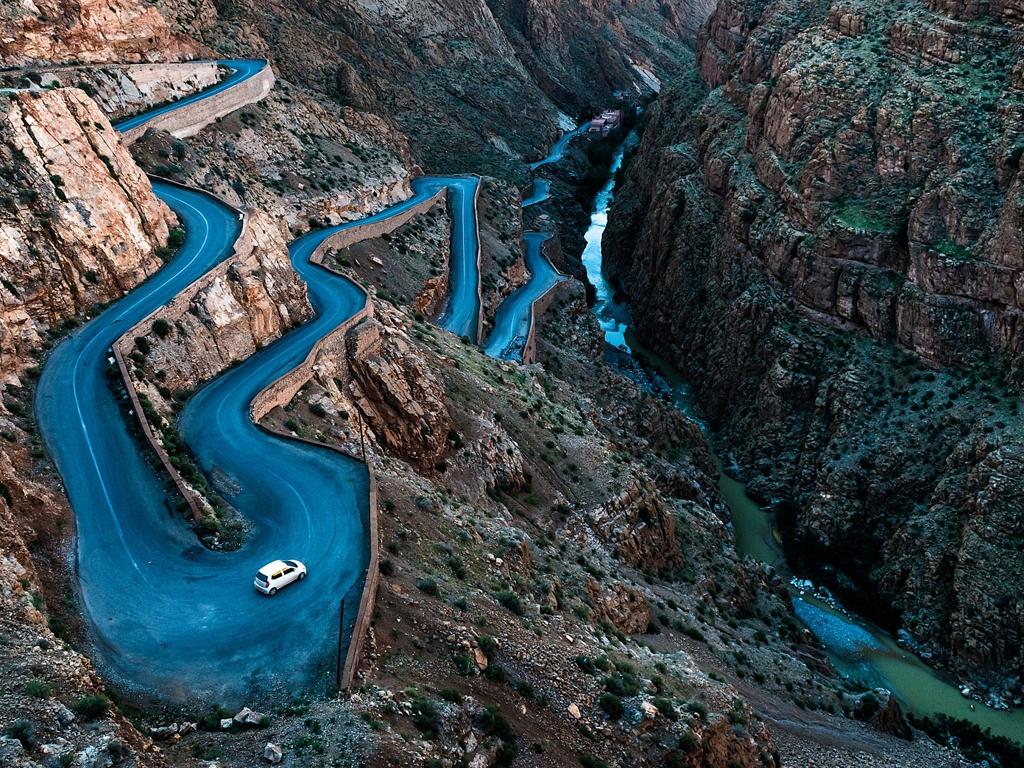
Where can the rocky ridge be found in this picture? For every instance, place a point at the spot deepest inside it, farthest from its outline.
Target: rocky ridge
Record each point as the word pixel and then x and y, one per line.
pixel 79 224
pixel 93 31
pixel 816 232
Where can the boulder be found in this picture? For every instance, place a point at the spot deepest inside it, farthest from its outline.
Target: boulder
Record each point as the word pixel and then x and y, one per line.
pixel 272 753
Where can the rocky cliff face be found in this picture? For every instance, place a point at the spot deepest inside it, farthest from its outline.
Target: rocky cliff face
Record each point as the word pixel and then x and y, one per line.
pixel 549 38
pixel 824 233
pixel 79 223
pixel 64 31
pixel 224 318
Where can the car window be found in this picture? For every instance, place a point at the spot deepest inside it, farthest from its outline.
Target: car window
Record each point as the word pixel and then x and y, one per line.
pixel 278 575
pixel 288 570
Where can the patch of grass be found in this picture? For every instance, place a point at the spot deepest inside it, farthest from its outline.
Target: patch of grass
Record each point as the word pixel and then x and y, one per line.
pixel 38 689
pixel 859 217
pixel 952 250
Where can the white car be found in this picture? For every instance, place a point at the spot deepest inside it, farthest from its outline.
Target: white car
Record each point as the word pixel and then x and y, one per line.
pixel 277 575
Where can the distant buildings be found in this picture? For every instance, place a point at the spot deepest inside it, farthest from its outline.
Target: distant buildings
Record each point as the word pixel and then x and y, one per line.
pixel 606 122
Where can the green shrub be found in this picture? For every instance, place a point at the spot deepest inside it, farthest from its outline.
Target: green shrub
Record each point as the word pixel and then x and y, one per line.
pixel 687 743
pixel 427 585
pixel 23 731
pixel 611 705
pixel 161 328
pixel 92 706
pixel 696 707
pixel 176 238
pixel 489 646
pixel 426 717
pixel 493 723
pixel 510 600
pixel 665 707
pixel 38 689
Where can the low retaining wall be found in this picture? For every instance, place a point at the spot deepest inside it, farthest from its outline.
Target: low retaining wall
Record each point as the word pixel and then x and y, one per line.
pixel 360 232
pixel 479 259
pixel 186 492
pixel 190 119
pixel 540 306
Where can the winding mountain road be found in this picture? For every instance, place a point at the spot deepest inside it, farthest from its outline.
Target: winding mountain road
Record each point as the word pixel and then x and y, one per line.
pixel 512 320
pixel 167 616
pixel 462 314
pixel 557 151
pixel 508 338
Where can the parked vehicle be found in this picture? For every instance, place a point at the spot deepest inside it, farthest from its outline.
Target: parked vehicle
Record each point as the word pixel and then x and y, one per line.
pixel 277 575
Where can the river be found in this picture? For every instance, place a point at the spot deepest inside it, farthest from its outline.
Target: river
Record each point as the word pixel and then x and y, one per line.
pixel 858 649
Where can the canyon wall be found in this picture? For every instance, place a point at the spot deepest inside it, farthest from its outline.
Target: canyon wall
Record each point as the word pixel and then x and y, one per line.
pixel 89 31
pixel 79 224
pixel 823 229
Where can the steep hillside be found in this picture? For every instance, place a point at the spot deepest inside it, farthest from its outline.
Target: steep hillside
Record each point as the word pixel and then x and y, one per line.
pixel 89 31
pixel 824 232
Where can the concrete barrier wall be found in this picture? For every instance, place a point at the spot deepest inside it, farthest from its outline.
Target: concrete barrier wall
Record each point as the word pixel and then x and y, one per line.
pixel 540 306
pixel 194 504
pixel 361 232
pixel 190 119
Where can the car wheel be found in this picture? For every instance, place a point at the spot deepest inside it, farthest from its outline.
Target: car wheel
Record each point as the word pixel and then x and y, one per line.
pixel 302 576
pixel 273 591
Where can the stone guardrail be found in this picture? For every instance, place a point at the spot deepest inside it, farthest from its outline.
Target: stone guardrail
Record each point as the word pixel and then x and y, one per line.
pixel 540 306
pixel 189 119
pixel 479 258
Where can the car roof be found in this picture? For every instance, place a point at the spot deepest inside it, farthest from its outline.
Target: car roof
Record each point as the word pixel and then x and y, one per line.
pixel 269 568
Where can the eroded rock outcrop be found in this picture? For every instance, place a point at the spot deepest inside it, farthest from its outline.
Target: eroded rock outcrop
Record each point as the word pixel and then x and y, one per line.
pixel 87 31
pixel 624 607
pixel 401 400
pixel 80 223
pixel 639 526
